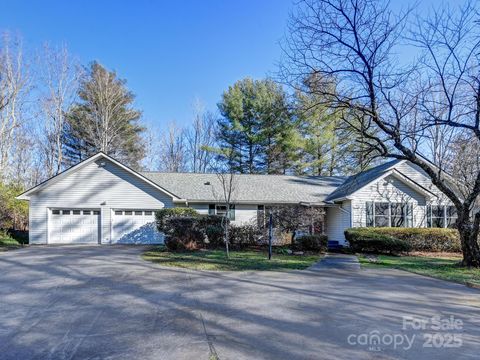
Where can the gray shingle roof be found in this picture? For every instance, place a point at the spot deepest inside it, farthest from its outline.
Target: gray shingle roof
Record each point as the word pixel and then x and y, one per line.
pixel 249 188
pixel 357 181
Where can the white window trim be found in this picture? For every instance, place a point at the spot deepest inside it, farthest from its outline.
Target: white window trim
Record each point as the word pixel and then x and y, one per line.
pixel 445 217
pixel 389 212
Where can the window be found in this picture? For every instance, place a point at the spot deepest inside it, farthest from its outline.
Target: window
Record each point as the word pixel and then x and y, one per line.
pixel 382 215
pixel 66 212
pixel 138 212
pixel 86 212
pixel 96 212
pixel 56 212
pixel 76 212
pixel 118 212
pixel 451 212
pixel 129 212
pixel 385 214
pixel 148 213
pixel 211 209
pixel 441 216
pixel 221 210
pixel 401 215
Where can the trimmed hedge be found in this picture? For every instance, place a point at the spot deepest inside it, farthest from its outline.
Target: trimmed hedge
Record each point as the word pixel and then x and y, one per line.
pixel 367 240
pixel 162 215
pixel 423 239
pixel 315 242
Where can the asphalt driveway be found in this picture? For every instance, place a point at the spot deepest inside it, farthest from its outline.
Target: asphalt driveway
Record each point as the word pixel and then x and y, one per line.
pixel 106 302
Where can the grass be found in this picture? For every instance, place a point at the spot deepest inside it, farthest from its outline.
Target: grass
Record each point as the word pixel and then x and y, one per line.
pixel 215 260
pixel 445 268
pixel 8 243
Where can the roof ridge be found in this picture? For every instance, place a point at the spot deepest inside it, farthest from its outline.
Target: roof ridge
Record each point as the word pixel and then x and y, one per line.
pixel 284 175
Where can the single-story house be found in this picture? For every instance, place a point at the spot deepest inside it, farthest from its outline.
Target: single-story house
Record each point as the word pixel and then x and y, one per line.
pixel 102 201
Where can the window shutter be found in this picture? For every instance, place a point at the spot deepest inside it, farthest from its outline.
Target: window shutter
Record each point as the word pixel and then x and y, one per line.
pixel 369 214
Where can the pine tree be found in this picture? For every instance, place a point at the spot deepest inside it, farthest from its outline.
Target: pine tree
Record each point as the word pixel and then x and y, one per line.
pixel 103 120
pixel 257 127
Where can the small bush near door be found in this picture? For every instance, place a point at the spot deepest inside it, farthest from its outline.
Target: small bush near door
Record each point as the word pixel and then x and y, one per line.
pixel 368 241
pixel 315 242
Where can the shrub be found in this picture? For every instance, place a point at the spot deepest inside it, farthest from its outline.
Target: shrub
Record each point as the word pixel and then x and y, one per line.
pixel 425 239
pixel 368 240
pixel 191 232
pixel 315 242
pixel 162 215
pixel 182 233
pixel 212 227
pixel 243 236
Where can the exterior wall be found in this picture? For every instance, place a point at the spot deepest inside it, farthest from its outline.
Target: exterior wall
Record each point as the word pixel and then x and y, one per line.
pixel 244 213
pixel 418 175
pixel 393 190
pixel 93 187
pixel 389 189
pixel 337 220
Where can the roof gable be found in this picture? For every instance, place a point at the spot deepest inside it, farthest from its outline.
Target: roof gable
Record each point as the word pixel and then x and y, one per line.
pixel 359 181
pixel 26 195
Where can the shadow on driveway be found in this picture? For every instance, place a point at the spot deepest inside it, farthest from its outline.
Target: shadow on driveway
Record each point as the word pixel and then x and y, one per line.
pixel 105 302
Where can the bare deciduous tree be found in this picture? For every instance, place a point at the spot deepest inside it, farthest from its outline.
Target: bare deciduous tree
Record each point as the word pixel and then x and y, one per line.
pixel 355 42
pixel 59 77
pixel 200 138
pixel 14 87
pixel 173 152
pixel 228 183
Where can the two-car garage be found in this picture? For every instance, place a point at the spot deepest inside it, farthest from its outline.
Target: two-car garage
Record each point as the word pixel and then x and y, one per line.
pixel 98 201
pixel 83 226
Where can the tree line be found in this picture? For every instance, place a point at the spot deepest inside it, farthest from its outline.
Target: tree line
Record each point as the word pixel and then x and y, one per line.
pixel 351 100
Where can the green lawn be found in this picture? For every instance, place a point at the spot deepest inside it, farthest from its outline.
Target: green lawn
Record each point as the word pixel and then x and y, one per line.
pixel 239 260
pixel 8 243
pixel 446 268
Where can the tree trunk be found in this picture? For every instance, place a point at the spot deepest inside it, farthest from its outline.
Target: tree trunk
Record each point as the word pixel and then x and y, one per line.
pixel 469 241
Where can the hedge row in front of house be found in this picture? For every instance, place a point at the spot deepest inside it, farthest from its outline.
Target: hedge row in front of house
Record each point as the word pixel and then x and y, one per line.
pixel 413 239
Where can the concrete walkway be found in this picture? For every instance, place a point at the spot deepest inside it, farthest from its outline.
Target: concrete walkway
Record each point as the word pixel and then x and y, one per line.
pixel 335 261
pixel 105 302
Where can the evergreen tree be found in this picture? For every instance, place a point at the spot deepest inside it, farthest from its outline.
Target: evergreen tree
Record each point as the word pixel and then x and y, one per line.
pixel 103 120
pixel 256 127
pixel 330 144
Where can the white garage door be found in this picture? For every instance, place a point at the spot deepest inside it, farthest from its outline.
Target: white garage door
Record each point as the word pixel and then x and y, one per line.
pixel 74 226
pixel 135 227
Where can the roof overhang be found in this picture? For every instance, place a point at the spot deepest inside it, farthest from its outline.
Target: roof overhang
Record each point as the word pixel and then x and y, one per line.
pixel 253 202
pixel 404 179
pixel 26 195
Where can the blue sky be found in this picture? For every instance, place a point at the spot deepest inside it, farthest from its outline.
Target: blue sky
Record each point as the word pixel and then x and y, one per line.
pixel 170 52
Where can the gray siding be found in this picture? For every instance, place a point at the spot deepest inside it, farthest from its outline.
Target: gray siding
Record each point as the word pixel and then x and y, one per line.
pixel 244 213
pixel 93 187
